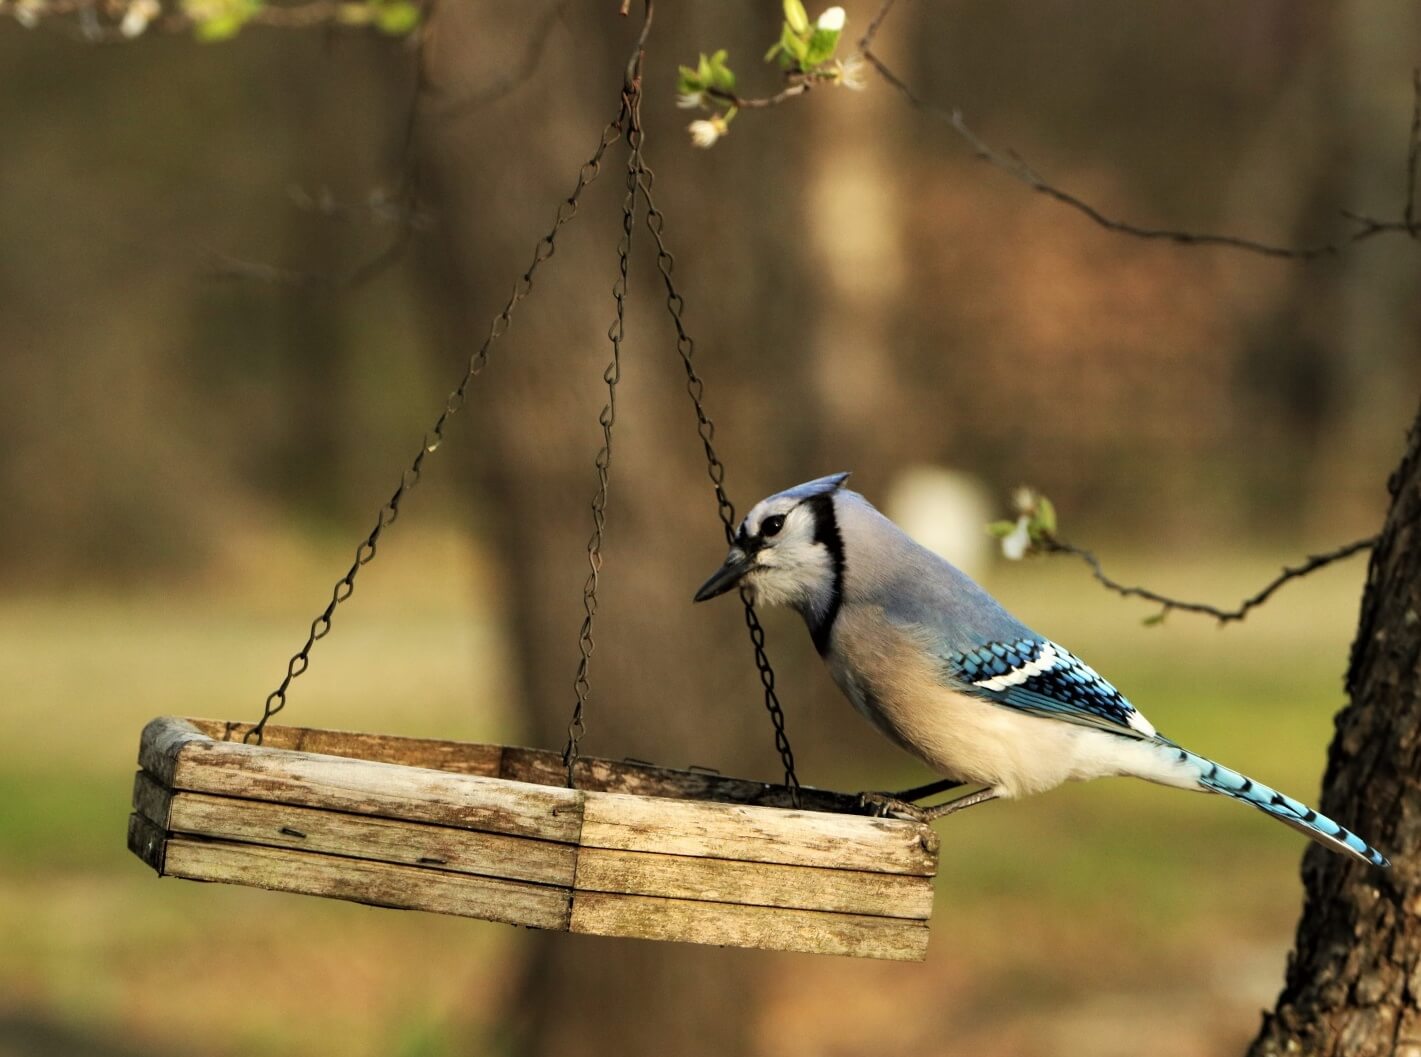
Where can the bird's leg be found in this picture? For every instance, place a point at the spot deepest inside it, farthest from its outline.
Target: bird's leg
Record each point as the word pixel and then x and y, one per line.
pixel 922 792
pixel 932 814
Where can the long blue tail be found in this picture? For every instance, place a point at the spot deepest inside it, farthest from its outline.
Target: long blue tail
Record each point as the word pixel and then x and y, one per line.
pixel 1217 778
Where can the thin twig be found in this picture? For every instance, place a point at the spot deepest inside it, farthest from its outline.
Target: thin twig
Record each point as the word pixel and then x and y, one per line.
pixel 1365 226
pixel 528 65
pixel 1223 616
pixel 874 25
pixel 795 89
pixel 405 201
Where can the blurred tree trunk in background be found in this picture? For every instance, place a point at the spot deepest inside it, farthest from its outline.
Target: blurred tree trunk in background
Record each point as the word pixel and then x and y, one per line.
pixel 1378 303
pixel 670 682
pixel 1354 980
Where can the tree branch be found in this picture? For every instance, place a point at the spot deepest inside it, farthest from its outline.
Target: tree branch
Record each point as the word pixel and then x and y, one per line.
pixel 795 89
pixel 1223 616
pixel 1011 163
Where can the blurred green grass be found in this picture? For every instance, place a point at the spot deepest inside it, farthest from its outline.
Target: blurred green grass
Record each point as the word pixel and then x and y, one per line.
pixel 1106 889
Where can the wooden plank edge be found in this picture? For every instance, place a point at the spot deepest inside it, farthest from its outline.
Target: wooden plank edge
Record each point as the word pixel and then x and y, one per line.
pixel 625 822
pixel 396 841
pixel 455 757
pixel 536 766
pixel 601 775
pixel 371 883
pixel 147 841
pixel 764 928
pixel 151 800
pixel 710 880
pixel 162 743
pixel 397 791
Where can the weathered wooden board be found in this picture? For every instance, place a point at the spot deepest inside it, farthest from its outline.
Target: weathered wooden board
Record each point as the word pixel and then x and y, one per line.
pixel 734 925
pixel 490 832
pixel 624 776
pixel 374 883
pixel 538 766
pixel 457 757
pixel 146 841
pixel 493 805
pixel 757 834
pixel 356 836
pixel 753 883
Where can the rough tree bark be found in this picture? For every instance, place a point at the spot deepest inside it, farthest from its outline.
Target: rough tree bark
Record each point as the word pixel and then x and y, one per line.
pixel 1354 979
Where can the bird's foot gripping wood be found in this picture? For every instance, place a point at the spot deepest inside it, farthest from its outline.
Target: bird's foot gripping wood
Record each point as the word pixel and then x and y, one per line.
pixel 896 805
pixel 889 805
pixel 902 805
pixel 981 796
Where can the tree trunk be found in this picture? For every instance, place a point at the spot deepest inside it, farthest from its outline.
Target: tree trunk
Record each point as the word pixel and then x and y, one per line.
pixel 671 682
pixel 1354 979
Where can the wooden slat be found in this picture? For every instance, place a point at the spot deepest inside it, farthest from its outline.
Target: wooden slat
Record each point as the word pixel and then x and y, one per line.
pixel 151 800
pixel 457 757
pixel 378 839
pixel 146 841
pixel 537 766
pixel 374 883
pixel 757 834
pixel 490 805
pixel 752 883
pixel 162 743
pixel 426 825
pixel 621 776
pixel 728 924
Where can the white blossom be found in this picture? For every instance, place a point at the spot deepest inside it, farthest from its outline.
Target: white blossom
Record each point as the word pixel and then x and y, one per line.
pixel 692 100
pixel 704 133
pixel 851 73
pixel 1016 542
pixel 831 20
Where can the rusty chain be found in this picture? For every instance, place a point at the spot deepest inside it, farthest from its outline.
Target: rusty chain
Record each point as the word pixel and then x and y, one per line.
pixel 705 428
pixel 639 179
pixel 365 553
pixel 576 728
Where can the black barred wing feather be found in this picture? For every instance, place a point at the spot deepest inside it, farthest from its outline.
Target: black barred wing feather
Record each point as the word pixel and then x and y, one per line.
pixel 1035 675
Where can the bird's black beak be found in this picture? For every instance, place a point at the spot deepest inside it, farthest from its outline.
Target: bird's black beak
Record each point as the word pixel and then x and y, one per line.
pixel 737 564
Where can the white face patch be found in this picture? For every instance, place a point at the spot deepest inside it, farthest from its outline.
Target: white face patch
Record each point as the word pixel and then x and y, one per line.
pixel 789 568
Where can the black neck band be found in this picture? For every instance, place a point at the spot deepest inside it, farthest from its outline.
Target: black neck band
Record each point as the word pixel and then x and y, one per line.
pixel 826 532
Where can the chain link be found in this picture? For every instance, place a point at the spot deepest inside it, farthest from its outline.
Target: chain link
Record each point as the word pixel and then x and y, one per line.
pixel 582 687
pixel 365 553
pixel 705 428
pixel 639 178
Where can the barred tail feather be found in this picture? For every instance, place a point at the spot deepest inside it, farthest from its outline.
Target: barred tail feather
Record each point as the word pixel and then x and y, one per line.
pixel 1216 778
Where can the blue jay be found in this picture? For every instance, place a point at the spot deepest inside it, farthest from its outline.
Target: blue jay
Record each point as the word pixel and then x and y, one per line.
pixel 936 664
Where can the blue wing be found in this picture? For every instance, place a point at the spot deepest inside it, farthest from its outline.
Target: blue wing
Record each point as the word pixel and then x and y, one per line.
pixel 1037 676
pixel 984 650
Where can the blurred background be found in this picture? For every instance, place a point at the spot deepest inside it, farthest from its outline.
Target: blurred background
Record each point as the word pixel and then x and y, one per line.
pixel 199 416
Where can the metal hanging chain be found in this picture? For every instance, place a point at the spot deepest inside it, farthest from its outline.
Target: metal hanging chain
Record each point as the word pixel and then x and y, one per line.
pixel 365 553
pixel 582 687
pixel 705 428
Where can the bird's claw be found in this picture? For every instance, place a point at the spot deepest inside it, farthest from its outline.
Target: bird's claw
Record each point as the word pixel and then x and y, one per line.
pixel 886 805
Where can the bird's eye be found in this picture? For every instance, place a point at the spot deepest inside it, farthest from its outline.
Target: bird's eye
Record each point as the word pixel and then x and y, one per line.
pixel 772 525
